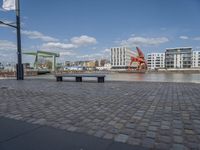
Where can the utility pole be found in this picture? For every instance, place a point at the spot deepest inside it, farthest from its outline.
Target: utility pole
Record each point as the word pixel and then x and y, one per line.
pixel 19 66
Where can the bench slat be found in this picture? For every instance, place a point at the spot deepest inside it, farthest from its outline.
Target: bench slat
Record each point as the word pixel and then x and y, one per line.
pixel 80 75
pixel 100 78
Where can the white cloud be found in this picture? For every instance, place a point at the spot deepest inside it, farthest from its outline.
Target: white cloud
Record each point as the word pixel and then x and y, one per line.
pixel 143 41
pixel 1 9
pixel 94 48
pixel 83 40
pixel 2 25
pixel 7 45
pixel 58 45
pixel 197 38
pixel 107 50
pixel 67 53
pixel 66 48
pixel 38 35
pixel 104 54
pixel 8 51
pixel 184 37
pixel 7 22
pixel 132 34
pixel 90 56
pixel 62 48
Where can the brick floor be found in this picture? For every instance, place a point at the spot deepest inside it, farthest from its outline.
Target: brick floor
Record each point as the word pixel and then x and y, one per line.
pixel 149 114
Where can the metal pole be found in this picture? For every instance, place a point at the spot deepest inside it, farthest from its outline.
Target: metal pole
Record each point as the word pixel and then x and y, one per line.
pixel 20 69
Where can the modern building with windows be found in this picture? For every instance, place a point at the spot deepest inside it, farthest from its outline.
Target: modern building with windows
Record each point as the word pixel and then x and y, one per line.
pixel 196 59
pixel 180 57
pixel 120 57
pixel 155 60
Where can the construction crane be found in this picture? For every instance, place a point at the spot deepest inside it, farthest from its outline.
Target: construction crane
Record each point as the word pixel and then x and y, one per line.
pixel 142 64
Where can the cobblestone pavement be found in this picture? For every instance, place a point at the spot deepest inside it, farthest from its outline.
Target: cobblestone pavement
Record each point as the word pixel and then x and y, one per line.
pixel 152 115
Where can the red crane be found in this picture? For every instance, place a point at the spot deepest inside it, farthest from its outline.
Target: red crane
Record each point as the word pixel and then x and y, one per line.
pixel 142 64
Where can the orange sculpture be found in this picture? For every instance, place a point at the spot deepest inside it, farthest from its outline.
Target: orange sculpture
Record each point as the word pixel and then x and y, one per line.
pixel 142 64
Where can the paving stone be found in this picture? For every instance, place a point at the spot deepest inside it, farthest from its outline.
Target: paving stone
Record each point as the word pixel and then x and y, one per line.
pixel 134 141
pixel 91 132
pixel 72 128
pixel 148 142
pixel 187 131
pixel 130 125
pixel 165 123
pixel 193 146
pixel 114 131
pixel 177 132
pixel 144 124
pixel 165 139
pixel 191 138
pixel 165 127
pixel 178 139
pixel 188 127
pixel 151 134
pixel 108 136
pixel 121 138
pixel 162 146
pixel 99 133
pixel 126 131
pixel 196 122
pixel 155 123
pixel 178 126
pixel 165 112
pixel 112 122
pixel 138 134
pixel 153 128
pixel 118 125
pixel 165 132
pixel 179 147
pixel 141 129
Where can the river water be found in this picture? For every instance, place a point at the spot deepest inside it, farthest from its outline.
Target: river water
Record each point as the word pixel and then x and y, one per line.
pixel 155 77
pixel 151 77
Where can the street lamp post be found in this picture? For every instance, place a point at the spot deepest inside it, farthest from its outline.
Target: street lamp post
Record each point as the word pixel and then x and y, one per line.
pixel 19 66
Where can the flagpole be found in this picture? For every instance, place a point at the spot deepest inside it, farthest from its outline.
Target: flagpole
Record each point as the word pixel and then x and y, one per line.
pixel 19 66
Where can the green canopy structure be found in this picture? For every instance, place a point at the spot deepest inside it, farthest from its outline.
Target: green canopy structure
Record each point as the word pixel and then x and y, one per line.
pixel 44 54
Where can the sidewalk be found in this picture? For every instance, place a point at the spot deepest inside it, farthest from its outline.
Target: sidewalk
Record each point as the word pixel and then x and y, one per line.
pixel 152 115
pixel 19 135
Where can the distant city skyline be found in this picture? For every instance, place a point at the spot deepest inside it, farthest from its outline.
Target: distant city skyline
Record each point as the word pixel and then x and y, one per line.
pixel 84 30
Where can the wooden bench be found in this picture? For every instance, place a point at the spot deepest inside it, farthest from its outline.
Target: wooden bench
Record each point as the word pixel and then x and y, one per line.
pixel 78 77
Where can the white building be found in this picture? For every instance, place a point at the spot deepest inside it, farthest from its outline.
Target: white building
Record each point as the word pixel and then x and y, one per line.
pixel 105 67
pixel 180 57
pixel 155 60
pixel 196 59
pixel 120 57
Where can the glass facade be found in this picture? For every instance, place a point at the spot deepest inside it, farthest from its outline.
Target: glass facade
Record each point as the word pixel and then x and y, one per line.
pixel 178 58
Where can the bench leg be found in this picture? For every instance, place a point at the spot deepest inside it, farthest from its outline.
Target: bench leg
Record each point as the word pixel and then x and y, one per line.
pixel 59 78
pixel 100 79
pixel 78 79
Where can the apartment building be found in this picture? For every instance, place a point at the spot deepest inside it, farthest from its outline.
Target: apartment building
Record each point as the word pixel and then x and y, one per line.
pixel 180 57
pixel 155 60
pixel 196 59
pixel 120 57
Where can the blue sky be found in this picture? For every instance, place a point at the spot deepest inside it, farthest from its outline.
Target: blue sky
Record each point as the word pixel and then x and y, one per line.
pixel 86 29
